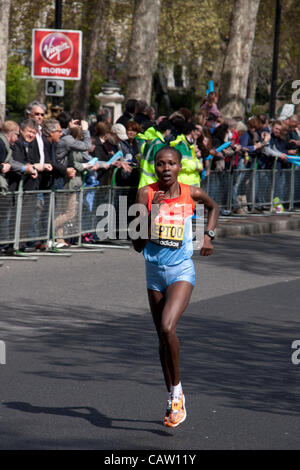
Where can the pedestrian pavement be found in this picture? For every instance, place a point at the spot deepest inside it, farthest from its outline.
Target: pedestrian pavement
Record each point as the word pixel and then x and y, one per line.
pixel 257 224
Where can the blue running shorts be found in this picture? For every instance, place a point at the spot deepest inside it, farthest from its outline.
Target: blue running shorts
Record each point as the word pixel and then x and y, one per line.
pixel 160 277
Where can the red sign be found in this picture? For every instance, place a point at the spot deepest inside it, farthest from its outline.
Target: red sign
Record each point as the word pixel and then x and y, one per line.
pixel 56 53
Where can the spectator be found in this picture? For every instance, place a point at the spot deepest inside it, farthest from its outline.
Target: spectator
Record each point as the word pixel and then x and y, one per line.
pixel 64 119
pixel 239 198
pixel 36 111
pixel 278 148
pixel 159 140
pixel 68 143
pixel 141 116
pixel 8 136
pixel 177 122
pixel 103 115
pixel 131 146
pixel 218 139
pixel 211 123
pixel 185 143
pixel 150 112
pixel 129 113
pixel 200 117
pixel 210 106
pixel 100 150
pixel 22 154
pixel 186 113
pixel 239 130
pixel 250 141
pixel 51 134
pixel 204 143
pixel 121 138
pixel 293 134
pixel 131 151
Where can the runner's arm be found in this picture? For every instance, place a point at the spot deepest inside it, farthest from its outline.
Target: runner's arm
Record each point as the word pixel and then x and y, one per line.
pixel 200 197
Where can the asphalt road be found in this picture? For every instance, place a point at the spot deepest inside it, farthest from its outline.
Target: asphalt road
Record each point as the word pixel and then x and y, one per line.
pixel 82 369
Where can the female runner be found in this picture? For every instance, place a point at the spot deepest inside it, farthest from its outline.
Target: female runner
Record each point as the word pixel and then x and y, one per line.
pixel 170 270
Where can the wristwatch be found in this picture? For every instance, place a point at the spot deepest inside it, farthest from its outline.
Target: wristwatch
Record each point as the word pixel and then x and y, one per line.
pixel 210 233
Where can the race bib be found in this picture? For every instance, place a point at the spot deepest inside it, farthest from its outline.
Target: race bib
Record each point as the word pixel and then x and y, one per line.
pixel 168 235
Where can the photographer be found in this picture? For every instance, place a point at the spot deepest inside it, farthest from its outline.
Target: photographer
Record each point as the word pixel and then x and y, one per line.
pixel 68 143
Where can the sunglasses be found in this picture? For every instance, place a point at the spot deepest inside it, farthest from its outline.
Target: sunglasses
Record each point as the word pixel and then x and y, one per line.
pixel 39 114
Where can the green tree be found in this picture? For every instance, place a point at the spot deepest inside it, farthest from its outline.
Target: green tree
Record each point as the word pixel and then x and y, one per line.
pixel 20 87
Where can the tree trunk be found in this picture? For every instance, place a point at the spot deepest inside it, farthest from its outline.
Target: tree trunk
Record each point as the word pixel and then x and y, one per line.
pixel 252 84
pixel 142 49
pixel 4 22
pixel 233 87
pixel 297 102
pixel 93 15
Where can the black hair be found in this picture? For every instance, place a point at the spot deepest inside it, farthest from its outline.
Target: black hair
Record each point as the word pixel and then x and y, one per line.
pixel 178 124
pixel 188 128
pixel 64 118
pixel 130 105
pixel 171 149
pixel 76 115
pixel 221 130
pixel 164 125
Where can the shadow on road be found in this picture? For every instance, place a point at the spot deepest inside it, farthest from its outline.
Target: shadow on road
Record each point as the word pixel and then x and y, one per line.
pixel 258 255
pixel 92 415
pixel 235 347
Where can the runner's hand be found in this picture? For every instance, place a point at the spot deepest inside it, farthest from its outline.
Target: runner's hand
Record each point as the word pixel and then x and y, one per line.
pixel 207 247
pixel 159 197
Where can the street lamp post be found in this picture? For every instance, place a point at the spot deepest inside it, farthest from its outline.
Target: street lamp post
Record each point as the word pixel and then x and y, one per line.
pixel 57 25
pixel 58 14
pixel 275 60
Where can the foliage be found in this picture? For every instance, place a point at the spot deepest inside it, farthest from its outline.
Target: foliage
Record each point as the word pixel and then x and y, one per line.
pixel 20 87
pixel 193 34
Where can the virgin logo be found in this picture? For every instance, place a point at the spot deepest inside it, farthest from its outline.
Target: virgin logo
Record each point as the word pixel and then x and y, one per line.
pixel 56 49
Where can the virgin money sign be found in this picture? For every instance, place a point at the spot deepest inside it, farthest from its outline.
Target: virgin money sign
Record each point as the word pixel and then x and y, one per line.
pixel 56 54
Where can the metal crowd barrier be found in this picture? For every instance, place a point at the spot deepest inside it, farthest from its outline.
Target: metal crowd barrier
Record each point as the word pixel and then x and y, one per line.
pixel 254 188
pixel 50 215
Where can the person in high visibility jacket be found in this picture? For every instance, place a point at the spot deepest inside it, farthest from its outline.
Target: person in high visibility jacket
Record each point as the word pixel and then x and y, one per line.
pixel 156 141
pixel 144 137
pixel 191 165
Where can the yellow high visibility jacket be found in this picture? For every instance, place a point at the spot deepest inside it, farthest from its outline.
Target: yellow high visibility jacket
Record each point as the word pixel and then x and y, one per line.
pixel 149 134
pixel 191 166
pixel 150 148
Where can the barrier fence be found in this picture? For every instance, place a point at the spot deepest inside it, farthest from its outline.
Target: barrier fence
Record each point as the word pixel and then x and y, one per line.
pixel 49 215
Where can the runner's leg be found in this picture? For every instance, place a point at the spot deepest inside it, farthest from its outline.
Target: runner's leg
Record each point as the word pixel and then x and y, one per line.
pixel 157 303
pixel 166 309
pixel 177 298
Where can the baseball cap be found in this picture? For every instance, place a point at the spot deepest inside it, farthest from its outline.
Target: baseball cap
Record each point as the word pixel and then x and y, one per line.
pixel 120 130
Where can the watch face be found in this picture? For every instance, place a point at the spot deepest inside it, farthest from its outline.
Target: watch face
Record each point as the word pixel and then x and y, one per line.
pixel 211 234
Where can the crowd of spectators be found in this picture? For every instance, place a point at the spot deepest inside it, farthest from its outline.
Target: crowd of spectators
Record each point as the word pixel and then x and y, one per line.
pixel 66 152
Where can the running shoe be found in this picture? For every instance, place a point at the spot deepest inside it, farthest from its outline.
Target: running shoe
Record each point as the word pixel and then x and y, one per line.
pixel 167 415
pixel 177 413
